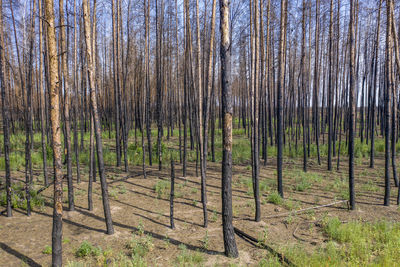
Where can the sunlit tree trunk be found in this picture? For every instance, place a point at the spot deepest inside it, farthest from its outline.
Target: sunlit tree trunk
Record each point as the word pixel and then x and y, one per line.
pixel 54 84
pixel 227 110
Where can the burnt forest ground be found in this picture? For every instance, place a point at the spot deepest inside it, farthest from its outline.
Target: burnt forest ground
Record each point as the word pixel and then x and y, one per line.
pixel 325 236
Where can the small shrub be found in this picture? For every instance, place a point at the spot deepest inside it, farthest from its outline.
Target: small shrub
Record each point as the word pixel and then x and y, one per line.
pixel 113 192
pixel 86 249
pixel 161 188
pixel 47 250
pixel 206 240
pixel 140 245
pixel 122 189
pixel 214 216
pixel 263 239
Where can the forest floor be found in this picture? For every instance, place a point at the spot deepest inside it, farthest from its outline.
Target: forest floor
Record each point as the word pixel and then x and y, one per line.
pixel 369 235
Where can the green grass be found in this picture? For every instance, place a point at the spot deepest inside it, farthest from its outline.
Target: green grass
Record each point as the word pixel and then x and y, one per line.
pixel 264 185
pixel 275 198
pixel 187 258
pixel 303 180
pixel 350 244
pixel 241 152
pixel 369 186
pixel 162 188
pixel 354 243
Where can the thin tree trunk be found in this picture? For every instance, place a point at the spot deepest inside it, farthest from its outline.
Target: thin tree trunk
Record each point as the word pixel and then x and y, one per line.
pixel 65 79
pixel 352 87
pixel 97 126
pixel 280 89
pixel 5 113
pixel 172 194
pixel 42 98
pixel 375 77
pixel 330 90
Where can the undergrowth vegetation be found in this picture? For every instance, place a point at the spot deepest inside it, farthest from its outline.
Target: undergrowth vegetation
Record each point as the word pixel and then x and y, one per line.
pixel 355 243
pixel 241 151
pixel 18 197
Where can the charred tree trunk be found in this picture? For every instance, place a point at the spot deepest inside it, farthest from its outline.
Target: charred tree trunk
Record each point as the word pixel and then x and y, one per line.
pixel 96 119
pixel 5 113
pixel 280 89
pixel 352 87
pixel 228 231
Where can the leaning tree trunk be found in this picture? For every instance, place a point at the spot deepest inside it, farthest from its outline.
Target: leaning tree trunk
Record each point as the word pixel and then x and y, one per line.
pixel 42 98
pixel 207 103
pixel 75 103
pixel 200 119
pixel 96 119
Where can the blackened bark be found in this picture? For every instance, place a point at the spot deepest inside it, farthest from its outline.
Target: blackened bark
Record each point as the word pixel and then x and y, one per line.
pixel 42 98
pixel 352 87
pixel 116 83
pixel 67 131
pixel 172 194
pixel 92 164
pixel 5 114
pixel 228 231
pixel 28 115
pixel 375 77
pixel 281 72
pixel 97 126
pixel 330 90
pixel 303 87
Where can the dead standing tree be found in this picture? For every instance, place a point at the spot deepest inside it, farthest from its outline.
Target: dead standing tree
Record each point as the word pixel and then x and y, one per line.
pixel 5 113
pixel 96 119
pixel 54 91
pixel 227 110
pixel 280 89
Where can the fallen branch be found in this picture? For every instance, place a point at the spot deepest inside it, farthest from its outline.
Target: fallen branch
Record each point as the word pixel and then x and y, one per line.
pixel 44 187
pixel 306 209
pixel 256 243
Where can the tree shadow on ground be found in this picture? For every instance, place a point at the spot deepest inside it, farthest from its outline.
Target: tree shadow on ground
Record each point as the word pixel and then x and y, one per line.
pixel 154 235
pixel 19 255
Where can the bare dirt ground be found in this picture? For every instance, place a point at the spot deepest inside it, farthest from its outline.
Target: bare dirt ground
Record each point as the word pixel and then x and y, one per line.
pixel 134 203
